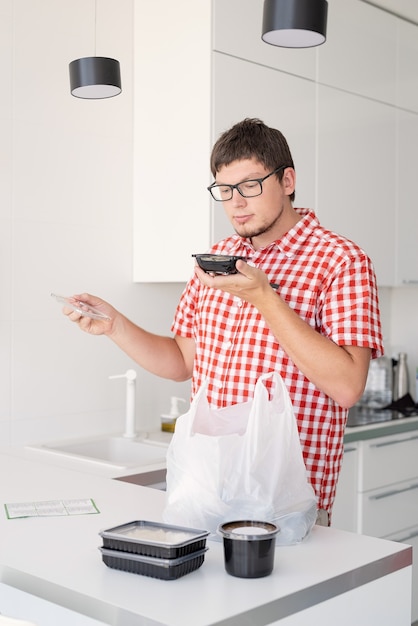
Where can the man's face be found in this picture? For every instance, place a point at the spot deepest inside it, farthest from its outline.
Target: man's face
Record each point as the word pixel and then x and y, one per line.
pixel 260 216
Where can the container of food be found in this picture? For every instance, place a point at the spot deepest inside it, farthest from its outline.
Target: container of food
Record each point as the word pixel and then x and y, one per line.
pixel 155 567
pixel 249 547
pixel 154 539
pixel 218 263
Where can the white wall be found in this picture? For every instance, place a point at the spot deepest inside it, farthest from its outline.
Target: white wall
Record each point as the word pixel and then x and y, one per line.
pixel 66 225
pixel 66 182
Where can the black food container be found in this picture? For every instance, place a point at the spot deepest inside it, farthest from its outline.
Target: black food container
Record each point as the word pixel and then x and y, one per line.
pixel 154 539
pixel 218 263
pixel 155 567
pixel 249 547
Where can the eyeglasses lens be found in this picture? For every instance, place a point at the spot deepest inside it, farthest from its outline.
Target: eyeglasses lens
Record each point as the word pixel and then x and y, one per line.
pixel 247 189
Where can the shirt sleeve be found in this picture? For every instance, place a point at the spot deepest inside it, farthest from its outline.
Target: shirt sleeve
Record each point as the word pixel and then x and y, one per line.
pixel 183 323
pixel 350 312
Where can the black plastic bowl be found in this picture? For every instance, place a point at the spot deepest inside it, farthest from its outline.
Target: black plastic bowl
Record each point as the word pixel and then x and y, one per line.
pixel 249 547
pixel 218 263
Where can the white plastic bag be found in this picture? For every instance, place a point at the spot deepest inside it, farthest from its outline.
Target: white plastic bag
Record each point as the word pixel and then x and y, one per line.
pixel 240 462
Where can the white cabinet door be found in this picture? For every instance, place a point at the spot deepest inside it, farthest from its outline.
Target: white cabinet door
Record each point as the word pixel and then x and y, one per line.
pixel 407 220
pixel 243 89
pixel 344 514
pixel 238 26
pixel 384 511
pixel 172 84
pixel 356 178
pixel 406 73
pixel 389 460
pixel 360 53
pixel 388 484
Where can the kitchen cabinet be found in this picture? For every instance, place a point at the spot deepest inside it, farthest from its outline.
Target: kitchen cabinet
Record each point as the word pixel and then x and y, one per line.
pixel 407 62
pixel 356 173
pixel 295 117
pixel 172 104
pixel 410 537
pixel 360 52
pixel 406 210
pixel 389 503
pixel 377 494
pixel 344 514
pixel 237 33
pixel 349 110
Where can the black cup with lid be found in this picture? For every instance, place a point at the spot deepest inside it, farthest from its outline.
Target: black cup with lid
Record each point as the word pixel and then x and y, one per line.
pixel 249 547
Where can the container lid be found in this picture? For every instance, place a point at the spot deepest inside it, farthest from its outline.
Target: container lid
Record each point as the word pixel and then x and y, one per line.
pixel 154 534
pixel 248 530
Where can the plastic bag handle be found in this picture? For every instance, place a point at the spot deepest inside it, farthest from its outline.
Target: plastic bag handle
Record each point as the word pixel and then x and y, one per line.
pixel 279 397
pixel 279 391
pixel 197 401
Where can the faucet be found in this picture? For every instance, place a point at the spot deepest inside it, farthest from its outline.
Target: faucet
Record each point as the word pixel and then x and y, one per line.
pixel 130 376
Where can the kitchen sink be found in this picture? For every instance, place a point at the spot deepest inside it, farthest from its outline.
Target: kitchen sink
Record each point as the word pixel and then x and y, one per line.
pixel 155 479
pixel 111 450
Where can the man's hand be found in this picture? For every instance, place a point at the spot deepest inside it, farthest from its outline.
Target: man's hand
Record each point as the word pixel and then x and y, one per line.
pixel 250 283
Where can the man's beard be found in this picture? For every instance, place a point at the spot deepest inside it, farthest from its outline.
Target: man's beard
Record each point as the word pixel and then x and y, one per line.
pixel 249 233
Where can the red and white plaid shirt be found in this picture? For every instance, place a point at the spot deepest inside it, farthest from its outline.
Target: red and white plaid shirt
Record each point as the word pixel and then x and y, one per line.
pixel 329 281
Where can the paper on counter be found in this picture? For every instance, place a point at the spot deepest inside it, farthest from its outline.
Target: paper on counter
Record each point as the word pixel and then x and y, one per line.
pixel 83 506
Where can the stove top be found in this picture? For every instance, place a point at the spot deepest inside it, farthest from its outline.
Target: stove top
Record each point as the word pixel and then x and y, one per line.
pixel 360 416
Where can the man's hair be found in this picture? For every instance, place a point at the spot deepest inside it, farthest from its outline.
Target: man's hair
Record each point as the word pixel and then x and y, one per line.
pixel 252 139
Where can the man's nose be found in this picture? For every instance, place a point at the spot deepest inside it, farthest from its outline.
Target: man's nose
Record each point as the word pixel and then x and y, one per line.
pixel 237 199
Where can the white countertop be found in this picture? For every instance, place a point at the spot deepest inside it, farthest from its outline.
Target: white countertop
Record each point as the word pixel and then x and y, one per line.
pixel 380 429
pixel 57 558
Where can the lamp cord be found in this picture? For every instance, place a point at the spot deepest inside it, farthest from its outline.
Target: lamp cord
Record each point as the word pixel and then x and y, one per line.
pixel 95 27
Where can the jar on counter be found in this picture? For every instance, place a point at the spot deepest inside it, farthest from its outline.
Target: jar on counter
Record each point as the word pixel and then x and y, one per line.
pixel 378 390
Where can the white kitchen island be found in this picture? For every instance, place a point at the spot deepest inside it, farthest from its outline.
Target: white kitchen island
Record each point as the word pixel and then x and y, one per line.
pixel 334 577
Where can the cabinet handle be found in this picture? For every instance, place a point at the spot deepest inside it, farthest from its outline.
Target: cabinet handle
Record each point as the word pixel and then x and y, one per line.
pixel 410 282
pixel 392 442
pixel 349 450
pixel 410 536
pixel 393 492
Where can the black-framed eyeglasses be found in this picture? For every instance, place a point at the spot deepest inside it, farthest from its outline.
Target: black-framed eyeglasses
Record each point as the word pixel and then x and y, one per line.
pixel 247 189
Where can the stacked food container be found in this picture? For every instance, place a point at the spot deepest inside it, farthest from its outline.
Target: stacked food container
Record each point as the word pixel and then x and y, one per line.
pixel 153 549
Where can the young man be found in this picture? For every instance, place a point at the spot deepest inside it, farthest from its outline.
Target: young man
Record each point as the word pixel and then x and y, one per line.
pixel 304 304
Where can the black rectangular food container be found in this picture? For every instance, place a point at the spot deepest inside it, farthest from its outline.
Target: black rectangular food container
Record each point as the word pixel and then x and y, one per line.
pixel 165 569
pixel 154 539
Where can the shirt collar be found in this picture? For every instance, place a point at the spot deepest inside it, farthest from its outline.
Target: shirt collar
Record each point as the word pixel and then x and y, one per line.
pixel 289 243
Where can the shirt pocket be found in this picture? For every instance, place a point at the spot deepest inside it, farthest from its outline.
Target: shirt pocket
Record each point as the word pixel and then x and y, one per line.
pixel 302 301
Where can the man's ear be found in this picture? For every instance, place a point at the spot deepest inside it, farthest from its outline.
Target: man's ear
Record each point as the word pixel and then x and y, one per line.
pixel 289 180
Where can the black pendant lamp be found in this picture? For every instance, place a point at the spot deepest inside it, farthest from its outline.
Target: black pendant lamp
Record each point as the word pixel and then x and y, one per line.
pixel 295 23
pixel 95 78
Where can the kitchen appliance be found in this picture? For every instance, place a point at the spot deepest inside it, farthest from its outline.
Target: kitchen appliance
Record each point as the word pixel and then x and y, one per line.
pixel 400 376
pixel 386 396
